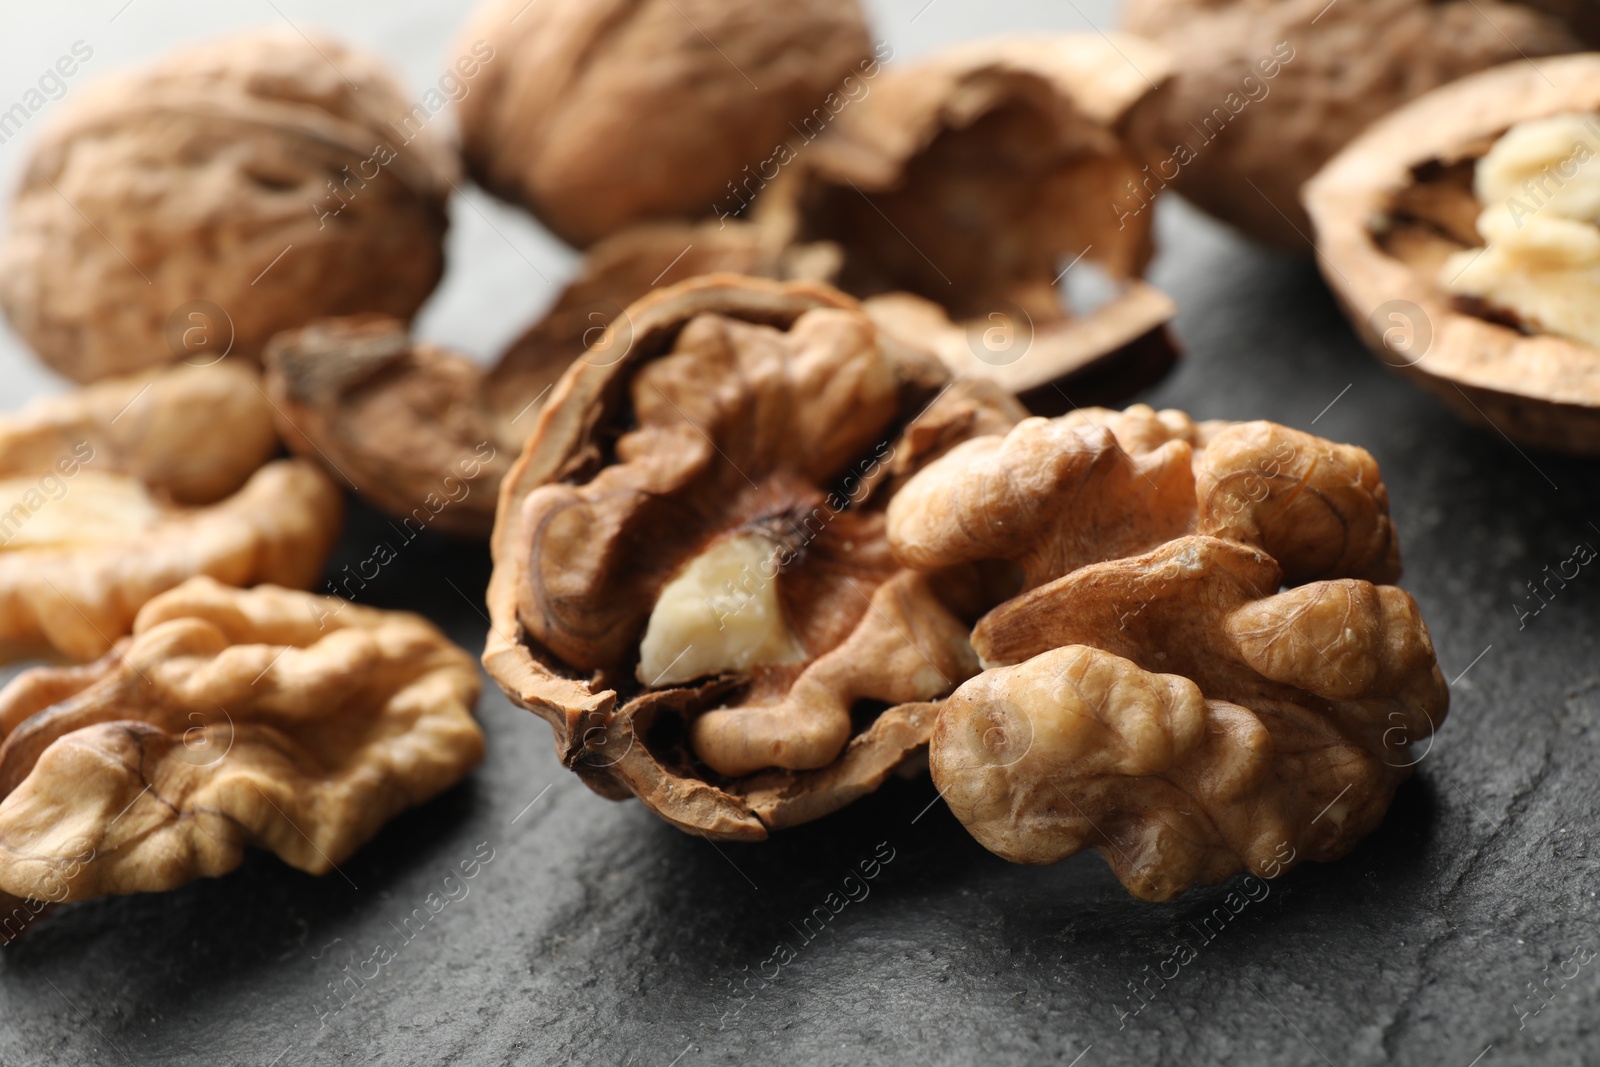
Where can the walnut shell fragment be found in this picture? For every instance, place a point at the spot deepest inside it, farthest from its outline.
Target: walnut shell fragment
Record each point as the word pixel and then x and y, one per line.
pixel 229 718
pixel 424 433
pixel 1398 203
pixel 196 207
pixel 601 114
pixel 1151 692
pixel 192 434
pixel 692 583
pixel 1264 92
pixel 963 188
pixel 83 551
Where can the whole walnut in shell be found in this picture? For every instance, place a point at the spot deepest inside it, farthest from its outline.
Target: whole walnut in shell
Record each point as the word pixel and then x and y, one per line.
pixel 117 492
pixel 229 718
pixel 234 189
pixel 1266 91
pixel 598 114
pixel 1398 217
pixel 692 582
pixel 963 189
pixel 1200 675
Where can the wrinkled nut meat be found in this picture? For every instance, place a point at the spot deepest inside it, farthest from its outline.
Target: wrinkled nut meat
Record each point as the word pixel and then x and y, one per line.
pixel 1264 92
pixel 1460 234
pixel 600 114
pixel 230 718
pixel 190 434
pixel 692 582
pixel 197 207
pixel 424 433
pixel 83 549
pixel 964 187
pixel 1152 693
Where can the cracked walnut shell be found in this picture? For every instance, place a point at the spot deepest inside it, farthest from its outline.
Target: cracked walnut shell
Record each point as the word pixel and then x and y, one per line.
pixel 196 207
pixel 600 114
pixel 964 188
pixel 1264 92
pixel 1400 207
pixel 230 718
pixel 692 582
pixel 1200 668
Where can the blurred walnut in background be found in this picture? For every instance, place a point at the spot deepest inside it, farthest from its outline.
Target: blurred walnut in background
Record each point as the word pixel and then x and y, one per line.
pixel 602 113
pixel 233 189
pixel 1266 91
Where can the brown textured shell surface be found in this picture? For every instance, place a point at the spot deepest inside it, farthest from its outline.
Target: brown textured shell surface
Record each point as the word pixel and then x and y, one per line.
pixel 692 581
pixel 959 186
pixel 229 719
pixel 1266 91
pixel 598 114
pixel 1390 210
pixel 229 191
pixel 1200 675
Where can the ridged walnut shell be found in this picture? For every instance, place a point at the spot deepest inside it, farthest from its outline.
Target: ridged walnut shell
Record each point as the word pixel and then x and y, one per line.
pixel 731 405
pixel 1254 140
pixel 599 114
pixel 172 212
pixel 1393 205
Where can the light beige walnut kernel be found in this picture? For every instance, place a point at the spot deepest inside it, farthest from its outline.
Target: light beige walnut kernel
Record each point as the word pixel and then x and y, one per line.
pixel 692 580
pixel 229 191
pixel 600 114
pixel 1199 662
pixel 228 719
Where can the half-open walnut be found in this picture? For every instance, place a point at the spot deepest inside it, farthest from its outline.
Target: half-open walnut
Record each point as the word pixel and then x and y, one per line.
pixel 1498 324
pixel 1152 692
pixel 409 422
pixel 962 189
pixel 1264 92
pixel 692 582
pixel 82 550
pixel 231 190
pixel 230 718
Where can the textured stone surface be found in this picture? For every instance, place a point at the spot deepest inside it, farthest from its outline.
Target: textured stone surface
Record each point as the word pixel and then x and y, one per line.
pixel 599 935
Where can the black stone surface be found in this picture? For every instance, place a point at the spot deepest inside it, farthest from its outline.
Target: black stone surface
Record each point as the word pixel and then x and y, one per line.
pixel 597 934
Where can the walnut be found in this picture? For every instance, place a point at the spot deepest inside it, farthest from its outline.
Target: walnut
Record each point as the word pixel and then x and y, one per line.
pixel 83 549
pixel 1498 332
pixel 600 115
pixel 964 188
pixel 1266 91
pixel 1151 692
pixel 192 434
pixel 425 434
pixel 692 582
pixel 228 718
pixel 232 190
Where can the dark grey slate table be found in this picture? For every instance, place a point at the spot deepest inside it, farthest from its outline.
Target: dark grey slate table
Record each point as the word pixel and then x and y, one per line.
pixel 592 933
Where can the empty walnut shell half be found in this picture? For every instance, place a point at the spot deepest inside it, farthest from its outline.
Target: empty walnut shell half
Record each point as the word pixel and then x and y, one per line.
pixel 1400 204
pixel 1264 92
pixel 1152 693
pixel 196 207
pixel 965 187
pixel 600 114
pixel 230 718
pixel 692 583
pixel 424 433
